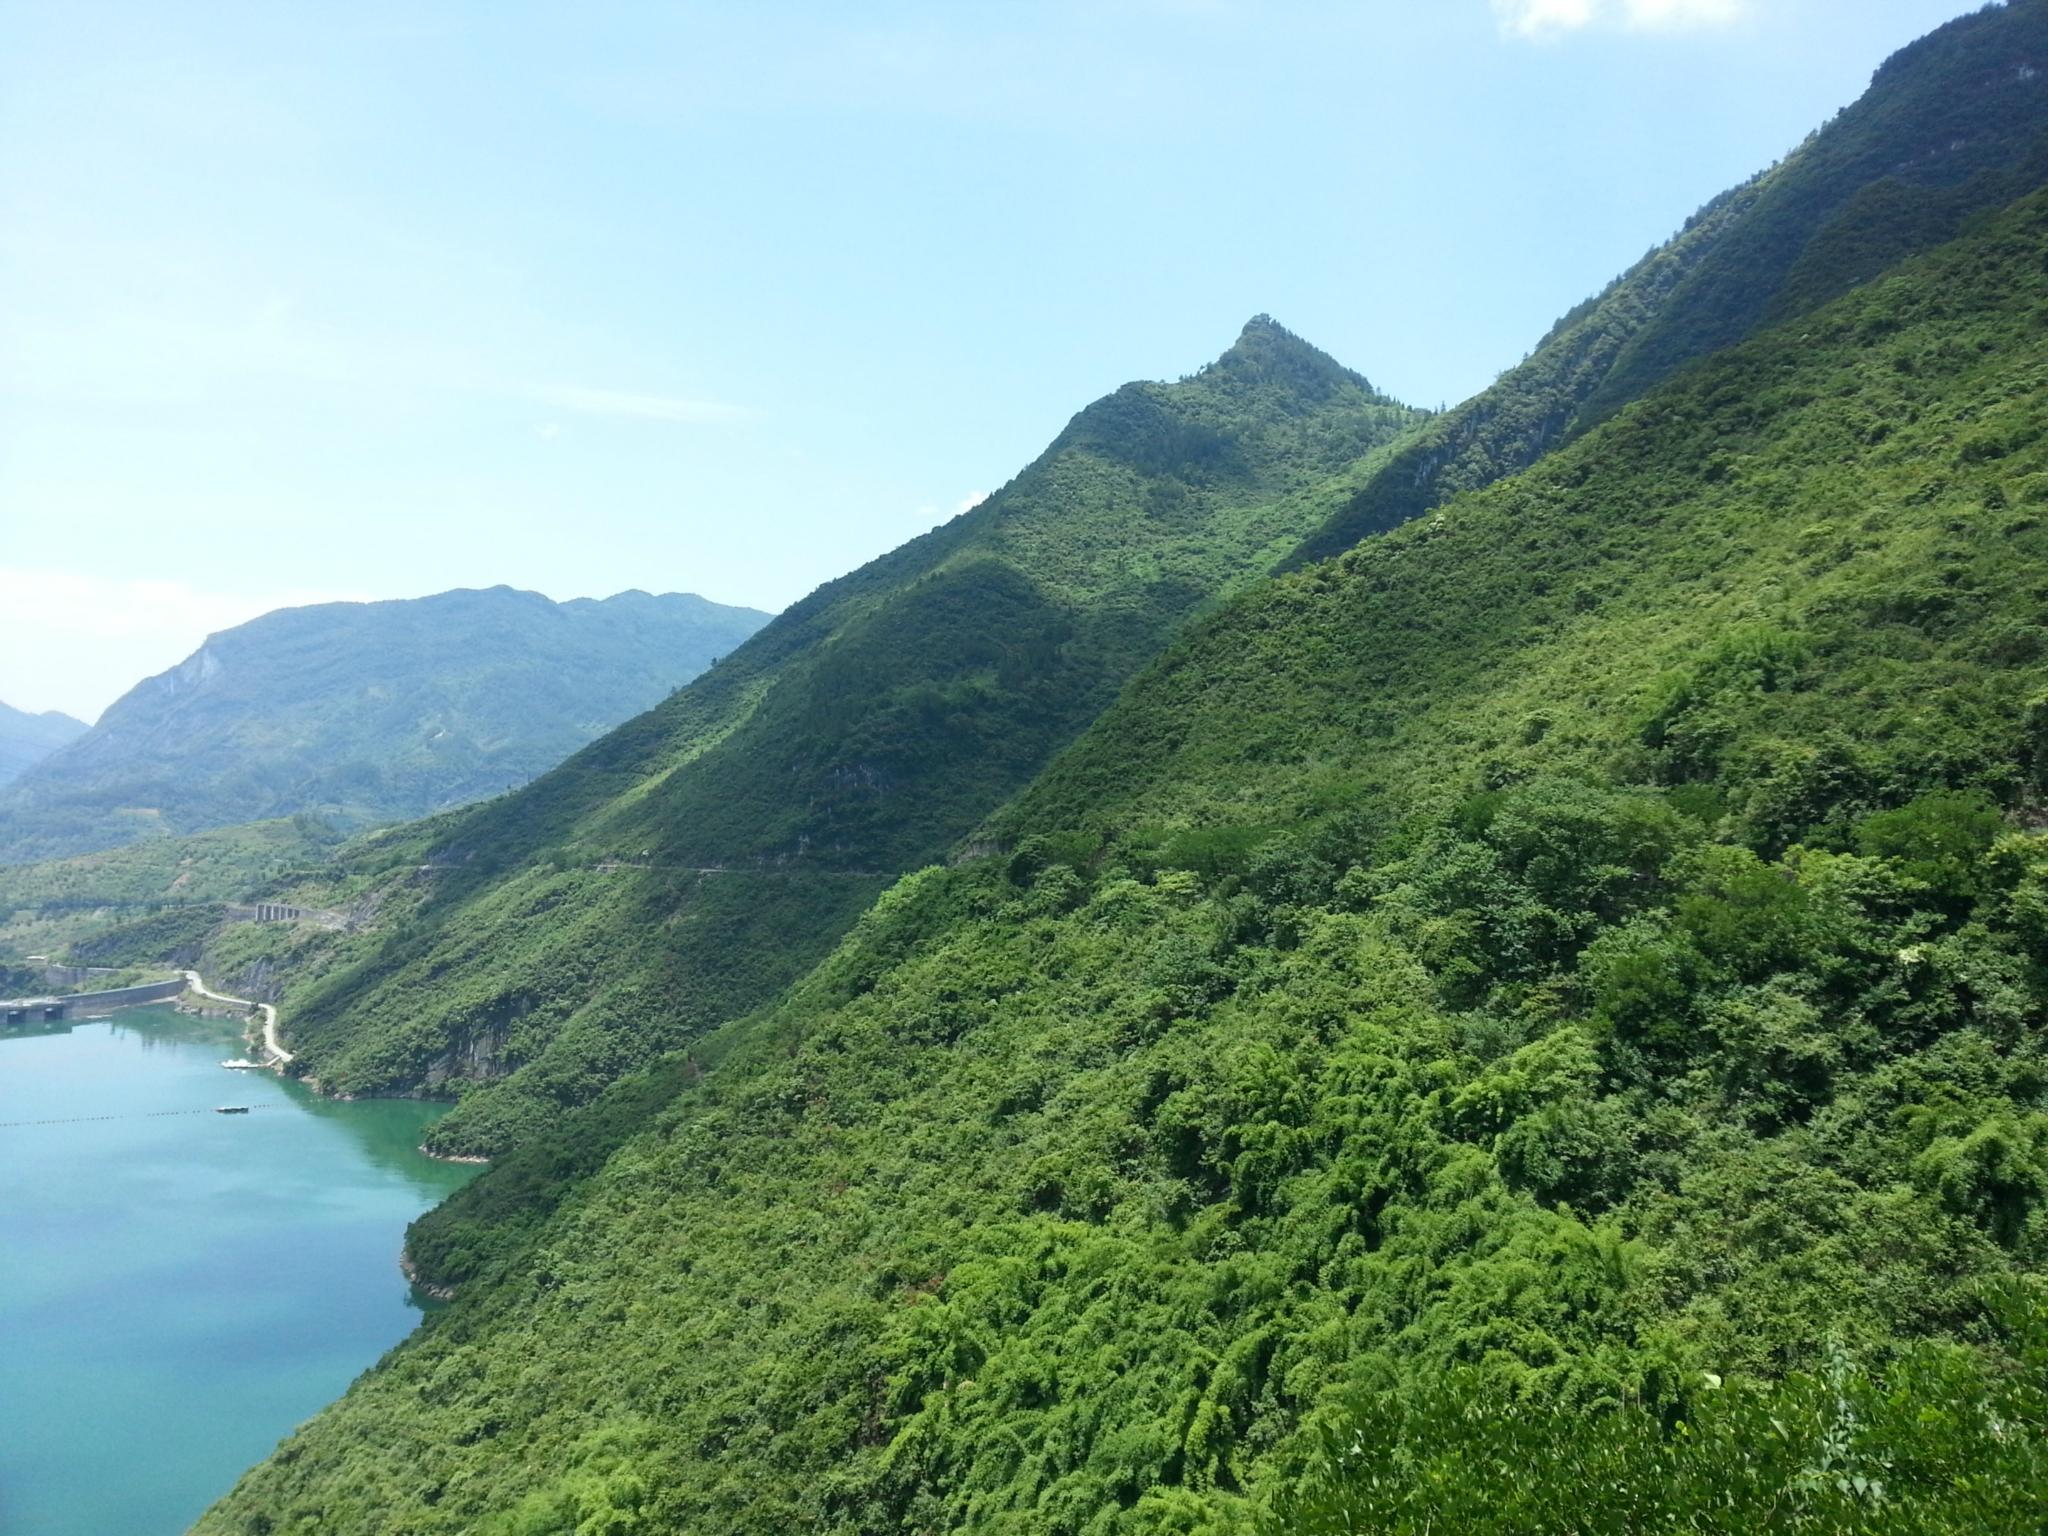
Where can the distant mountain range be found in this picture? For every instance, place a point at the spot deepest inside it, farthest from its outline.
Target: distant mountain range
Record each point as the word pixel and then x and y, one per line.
pixel 26 739
pixel 366 712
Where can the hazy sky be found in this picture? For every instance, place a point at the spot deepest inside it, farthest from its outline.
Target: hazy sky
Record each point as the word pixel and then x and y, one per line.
pixel 372 300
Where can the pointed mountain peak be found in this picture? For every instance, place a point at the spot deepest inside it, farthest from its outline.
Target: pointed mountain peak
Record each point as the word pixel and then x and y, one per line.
pixel 1267 353
pixel 1265 327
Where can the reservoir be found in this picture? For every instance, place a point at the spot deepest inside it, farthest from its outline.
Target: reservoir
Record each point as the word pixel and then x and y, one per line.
pixel 180 1288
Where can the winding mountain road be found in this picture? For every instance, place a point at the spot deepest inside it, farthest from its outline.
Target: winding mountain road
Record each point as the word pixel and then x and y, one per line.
pixel 279 1055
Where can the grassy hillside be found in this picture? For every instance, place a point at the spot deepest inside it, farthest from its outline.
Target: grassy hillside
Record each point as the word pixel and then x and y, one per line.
pixel 148 902
pixel 703 856
pixel 1955 124
pixel 1580 955
pixel 366 712
pixel 221 865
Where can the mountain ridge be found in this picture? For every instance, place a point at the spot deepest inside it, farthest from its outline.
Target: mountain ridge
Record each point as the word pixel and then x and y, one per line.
pixel 28 737
pixel 369 711
pixel 753 815
pixel 1565 950
pixel 1953 124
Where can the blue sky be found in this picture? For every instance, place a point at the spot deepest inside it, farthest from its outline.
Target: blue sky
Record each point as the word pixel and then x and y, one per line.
pixel 374 300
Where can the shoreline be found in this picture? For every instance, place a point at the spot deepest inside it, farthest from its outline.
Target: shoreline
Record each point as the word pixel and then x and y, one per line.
pixel 411 1272
pixel 277 1058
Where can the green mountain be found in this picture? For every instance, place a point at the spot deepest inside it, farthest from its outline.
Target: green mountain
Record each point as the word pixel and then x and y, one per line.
pixel 751 819
pixel 1952 125
pixel 26 739
pixel 366 711
pixel 695 861
pixel 1511 992
pixel 1530 1025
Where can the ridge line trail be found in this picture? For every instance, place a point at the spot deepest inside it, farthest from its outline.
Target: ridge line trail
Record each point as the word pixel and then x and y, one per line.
pixel 269 1016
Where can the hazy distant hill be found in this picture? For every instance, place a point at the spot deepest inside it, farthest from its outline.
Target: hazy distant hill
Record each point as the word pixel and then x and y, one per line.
pixel 372 711
pixel 27 738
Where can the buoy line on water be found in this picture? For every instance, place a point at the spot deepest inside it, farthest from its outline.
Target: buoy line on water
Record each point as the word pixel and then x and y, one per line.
pixel 145 1114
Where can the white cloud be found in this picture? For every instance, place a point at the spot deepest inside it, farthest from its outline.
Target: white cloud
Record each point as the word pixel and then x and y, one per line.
pixel 95 637
pixel 612 402
pixel 970 501
pixel 1553 18
pixel 1539 18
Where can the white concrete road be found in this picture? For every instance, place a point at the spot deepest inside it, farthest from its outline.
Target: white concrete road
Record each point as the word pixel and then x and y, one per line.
pixel 278 1054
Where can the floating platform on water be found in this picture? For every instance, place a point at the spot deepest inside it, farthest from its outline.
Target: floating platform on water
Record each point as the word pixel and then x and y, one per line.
pixel 241 1066
pixel 232 1109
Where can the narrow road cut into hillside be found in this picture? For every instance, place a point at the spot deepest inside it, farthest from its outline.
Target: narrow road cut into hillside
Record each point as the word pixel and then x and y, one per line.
pixel 278 1054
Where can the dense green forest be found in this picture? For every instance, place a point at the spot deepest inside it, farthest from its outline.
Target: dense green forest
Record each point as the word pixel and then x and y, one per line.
pixel 688 866
pixel 365 712
pixel 1531 1024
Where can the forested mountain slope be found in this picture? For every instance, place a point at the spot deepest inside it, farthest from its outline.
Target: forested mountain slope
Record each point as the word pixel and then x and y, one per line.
pixel 1953 124
pixel 26 739
pixel 367 711
pixel 750 855
pixel 704 855
pixel 1590 942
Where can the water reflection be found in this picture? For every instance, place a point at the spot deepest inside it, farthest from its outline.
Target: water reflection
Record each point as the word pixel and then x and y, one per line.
pixel 39 1027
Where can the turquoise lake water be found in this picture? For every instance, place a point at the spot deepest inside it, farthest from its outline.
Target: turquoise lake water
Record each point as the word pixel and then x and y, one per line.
pixel 178 1288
